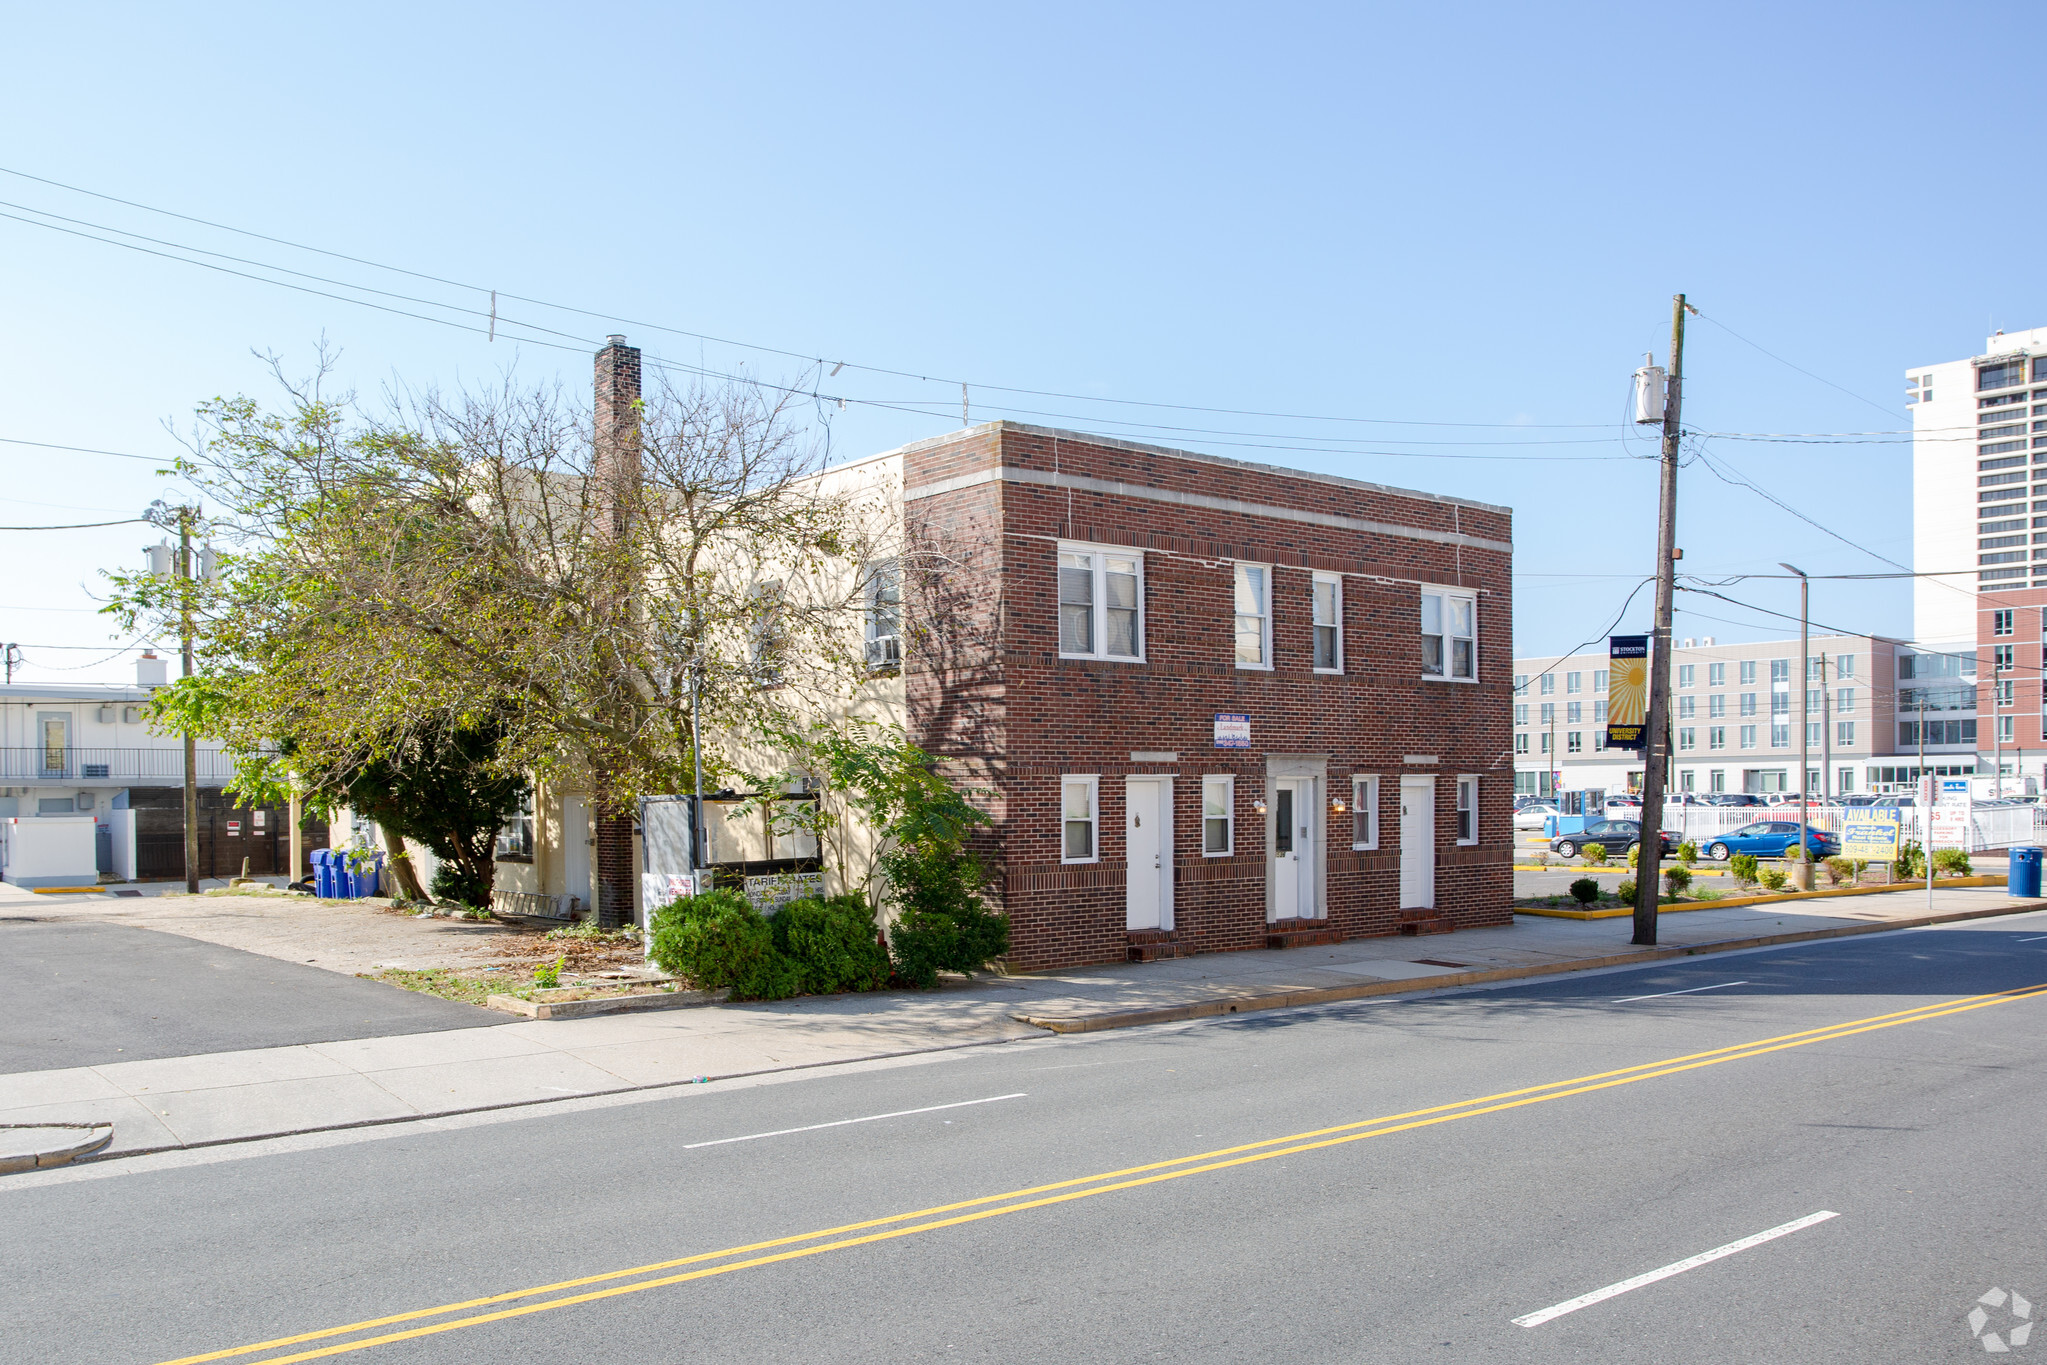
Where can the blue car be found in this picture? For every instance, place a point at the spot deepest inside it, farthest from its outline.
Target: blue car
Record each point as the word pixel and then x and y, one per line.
pixel 1769 839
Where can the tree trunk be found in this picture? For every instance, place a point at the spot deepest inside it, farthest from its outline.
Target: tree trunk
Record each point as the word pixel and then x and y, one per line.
pixel 401 867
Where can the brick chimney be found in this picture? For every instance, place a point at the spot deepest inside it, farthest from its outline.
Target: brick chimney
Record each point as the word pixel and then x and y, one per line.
pixel 617 470
pixel 617 460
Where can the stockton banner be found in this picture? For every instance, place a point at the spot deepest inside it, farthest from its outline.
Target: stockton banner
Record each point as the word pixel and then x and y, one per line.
pixel 1627 691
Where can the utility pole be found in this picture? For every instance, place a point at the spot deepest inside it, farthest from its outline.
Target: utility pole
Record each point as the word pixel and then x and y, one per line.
pixel 13 660
pixel 1649 862
pixel 191 748
pixel 1804 709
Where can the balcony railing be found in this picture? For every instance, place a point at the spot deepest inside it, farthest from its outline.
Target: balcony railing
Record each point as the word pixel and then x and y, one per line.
pixel 79 763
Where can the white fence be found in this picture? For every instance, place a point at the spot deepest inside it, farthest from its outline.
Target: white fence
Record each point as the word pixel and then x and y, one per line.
pixel 1989 827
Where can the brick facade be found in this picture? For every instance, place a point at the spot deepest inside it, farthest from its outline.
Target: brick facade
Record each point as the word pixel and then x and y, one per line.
pixel 987 688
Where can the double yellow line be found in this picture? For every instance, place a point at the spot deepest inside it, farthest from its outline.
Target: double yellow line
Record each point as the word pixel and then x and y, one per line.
pixel 847 1235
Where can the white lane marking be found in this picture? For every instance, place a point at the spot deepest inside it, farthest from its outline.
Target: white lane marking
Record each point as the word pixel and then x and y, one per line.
pixel 840 1123
pixel 1674 1268
pixel 2035 939
pixel 1690 990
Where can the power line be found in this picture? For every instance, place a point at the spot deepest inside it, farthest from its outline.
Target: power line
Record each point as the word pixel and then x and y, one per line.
pixel 1800 368
pixel 82 450
pixel 807 359
pixel 76 526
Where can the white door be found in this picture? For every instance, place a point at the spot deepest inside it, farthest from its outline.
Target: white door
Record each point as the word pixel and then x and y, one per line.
pixel 1417 843
pixel 576 849
pixel 1295 885
pixel 1148 841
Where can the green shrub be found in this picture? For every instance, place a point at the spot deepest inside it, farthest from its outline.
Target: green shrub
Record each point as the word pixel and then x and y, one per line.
pixel 1910 864
pixel 1688 853
pixel 1743 867
pixel 1585 891
pixel 1593 854
pixel 1838 870
pixel 719 940
pixel 1635 856
pixel 941 924
pixel 1677 879
pixel 550 975
pixel 1772 878
pixel 833 943
pixel 1952 862
pixel 1625 892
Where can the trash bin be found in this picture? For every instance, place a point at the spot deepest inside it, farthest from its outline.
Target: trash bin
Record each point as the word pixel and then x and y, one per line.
pixel 323 873
pixel 2025 872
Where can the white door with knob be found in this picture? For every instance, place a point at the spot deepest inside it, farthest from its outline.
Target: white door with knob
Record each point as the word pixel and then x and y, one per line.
pixel 1148 842
pixel 1417 843
pixel 1296 886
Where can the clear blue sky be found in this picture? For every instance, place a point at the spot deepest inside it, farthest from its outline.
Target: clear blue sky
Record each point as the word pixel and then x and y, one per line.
pixel 1470 214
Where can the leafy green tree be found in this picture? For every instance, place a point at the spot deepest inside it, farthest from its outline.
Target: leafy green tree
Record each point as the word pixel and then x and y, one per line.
pixel 443 788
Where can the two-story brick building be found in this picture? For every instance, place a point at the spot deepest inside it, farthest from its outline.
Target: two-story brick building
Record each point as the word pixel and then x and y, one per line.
pixel 1219 705
pixel 1209 704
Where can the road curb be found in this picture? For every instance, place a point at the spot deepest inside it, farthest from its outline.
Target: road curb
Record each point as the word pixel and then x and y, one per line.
pixel 609 1004
pixel 1769 898
pixel 1365 990
pixel 88 1138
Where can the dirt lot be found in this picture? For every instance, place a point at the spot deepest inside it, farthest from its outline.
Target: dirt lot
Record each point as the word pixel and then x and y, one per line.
pixel 462 958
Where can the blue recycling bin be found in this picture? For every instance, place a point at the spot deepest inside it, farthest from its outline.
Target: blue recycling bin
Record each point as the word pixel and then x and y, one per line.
pixel 2025 872
pixel 361 878
pixel 323 874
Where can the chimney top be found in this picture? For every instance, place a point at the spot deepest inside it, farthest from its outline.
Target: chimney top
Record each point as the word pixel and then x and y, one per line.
pixel 615 339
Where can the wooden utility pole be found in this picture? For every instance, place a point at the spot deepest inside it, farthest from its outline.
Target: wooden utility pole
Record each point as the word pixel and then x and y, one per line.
pixel 191 748
pixel 1656 768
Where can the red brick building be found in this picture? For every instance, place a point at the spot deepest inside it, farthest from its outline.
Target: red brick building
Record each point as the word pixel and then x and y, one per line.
pixel 1216 705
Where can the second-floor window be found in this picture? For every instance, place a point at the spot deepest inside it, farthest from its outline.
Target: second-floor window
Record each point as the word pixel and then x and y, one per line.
pixel 1449 635
pixel 1254 616
pixel 1101 603
pixel 883 592
pixel 1327 591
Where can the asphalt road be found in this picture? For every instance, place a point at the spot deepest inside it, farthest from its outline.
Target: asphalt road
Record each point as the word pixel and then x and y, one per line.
pixel 86 994
pixel 1061 1210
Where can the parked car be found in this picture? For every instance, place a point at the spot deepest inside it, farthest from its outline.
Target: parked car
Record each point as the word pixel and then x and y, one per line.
pixel 1533 816
pixel 1615 836
pixel 1733 799
pixel 1769 839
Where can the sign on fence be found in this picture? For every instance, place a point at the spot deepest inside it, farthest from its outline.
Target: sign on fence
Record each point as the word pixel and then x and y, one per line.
pixel 772 892
pixel 659 888
pixel 1873 839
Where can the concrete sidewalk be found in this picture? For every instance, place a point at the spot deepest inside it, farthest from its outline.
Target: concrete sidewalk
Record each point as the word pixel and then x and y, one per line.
pixel 234 1096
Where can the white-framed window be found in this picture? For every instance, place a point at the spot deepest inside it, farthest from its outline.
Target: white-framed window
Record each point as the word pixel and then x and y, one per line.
pixel 1687 707
pixel 1685 674
pixel 1544 737
pixel 1844 666
pixel 2006 728
pixel 1254 615
pixel 1687 737
pixel 1364 810
pixel 515 836
pixel 2001 621
pixel 1218 816
pixel 1548 681
pixel 1101 602
pixel 1449 635
pixel 1467 810
pixel 1748 736
pixel 1574 741
pixel 1521 713
pixel 1573 681
pixel 882 594
pixel 1716 705
pixel 1599 680
pixel 1716 737
pixel 1844 733
pixel 1079 819
pixel 1844 699
pixel 1748 672
pixel 1520 684
pixel 1521 743
pixel 1574 713
pixel 1327 593
pixel 1599 713
pixel 1716 675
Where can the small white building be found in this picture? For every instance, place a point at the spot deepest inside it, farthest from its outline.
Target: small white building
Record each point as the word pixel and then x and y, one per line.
pixel 84 749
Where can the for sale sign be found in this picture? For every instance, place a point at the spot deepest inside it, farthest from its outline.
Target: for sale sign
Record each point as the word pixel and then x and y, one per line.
pixel 1232 731
pixel 1873 840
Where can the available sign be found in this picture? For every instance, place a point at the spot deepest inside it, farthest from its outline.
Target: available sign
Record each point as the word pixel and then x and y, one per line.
pixel 1627 691
pixel 1232 731
pixel 1873 840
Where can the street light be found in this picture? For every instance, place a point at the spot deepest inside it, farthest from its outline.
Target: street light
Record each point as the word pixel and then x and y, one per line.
pixel 1804 692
